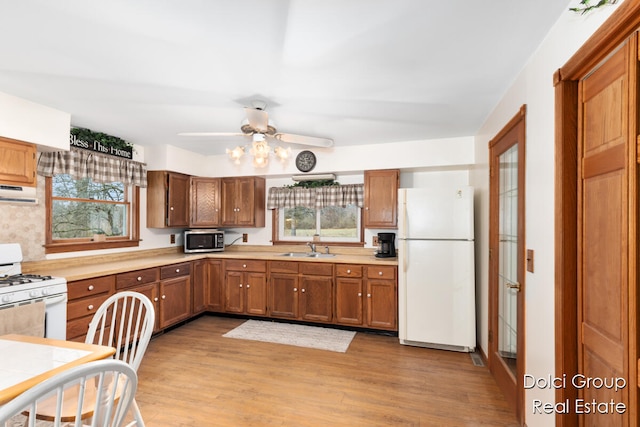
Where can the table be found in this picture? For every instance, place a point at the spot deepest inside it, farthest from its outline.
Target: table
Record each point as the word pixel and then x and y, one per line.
pixel 26 361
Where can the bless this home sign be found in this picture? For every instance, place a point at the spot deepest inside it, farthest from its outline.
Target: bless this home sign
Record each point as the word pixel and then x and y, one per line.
pixel 101 143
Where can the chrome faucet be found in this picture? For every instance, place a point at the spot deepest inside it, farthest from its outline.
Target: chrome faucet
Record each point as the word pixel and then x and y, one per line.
pixel 313 247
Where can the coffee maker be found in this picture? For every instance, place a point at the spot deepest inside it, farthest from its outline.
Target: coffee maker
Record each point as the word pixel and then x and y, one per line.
pixel 386 245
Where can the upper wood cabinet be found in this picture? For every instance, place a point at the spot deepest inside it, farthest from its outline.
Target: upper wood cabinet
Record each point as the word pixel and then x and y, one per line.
pixel 205 202
pixel 243 201
pixel 381 198
pixel 17 163
pixel 167 199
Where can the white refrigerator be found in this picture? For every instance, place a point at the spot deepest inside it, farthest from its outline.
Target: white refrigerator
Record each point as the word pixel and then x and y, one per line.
pixel 436 287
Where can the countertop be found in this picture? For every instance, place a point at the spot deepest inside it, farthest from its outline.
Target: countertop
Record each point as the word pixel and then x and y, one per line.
pixel 94 266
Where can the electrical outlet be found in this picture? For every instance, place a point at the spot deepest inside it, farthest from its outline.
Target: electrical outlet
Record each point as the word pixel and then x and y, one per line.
pixel 375 241
pixel 173 238
pixel 245 237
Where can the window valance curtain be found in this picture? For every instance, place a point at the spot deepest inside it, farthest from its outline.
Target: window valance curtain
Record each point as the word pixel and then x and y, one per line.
pixel 316 198
pixel 99 167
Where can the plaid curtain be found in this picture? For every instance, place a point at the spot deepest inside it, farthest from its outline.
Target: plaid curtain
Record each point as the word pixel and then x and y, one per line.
pixel 99 167
pixel 318 198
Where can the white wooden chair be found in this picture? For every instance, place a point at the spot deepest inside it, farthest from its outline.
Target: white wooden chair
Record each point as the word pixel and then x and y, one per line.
pixel 125 321
pixel 99 392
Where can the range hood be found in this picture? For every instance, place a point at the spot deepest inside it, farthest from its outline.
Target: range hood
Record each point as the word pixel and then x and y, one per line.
pixel 17 194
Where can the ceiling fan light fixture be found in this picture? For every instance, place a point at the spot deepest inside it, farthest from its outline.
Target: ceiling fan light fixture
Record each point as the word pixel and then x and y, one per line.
pixel 282 153
pixel 236 154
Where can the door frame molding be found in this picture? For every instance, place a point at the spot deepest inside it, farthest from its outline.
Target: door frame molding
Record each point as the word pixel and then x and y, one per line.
pixel 622 23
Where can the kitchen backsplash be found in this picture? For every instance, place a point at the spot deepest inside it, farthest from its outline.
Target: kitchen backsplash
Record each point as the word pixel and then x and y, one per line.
pixel 24 224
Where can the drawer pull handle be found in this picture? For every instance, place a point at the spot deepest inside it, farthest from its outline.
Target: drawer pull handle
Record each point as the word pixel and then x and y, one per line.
pixel 164 297
pixel 248 286
pixel 139 278
pixel 244 265
pixel 177 270
pixel 359 294
pixel 90 307
pixel 156 299
pixel 295 289
pixel 368 295
pixel 380 273
pixel 302 290
pixel 348 271
pixel 240 284
pixel 90 288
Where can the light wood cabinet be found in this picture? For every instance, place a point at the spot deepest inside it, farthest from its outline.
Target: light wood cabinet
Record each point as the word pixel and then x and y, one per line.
pixel 84 298
pixel 381 198
pixel 17 163
pixel 245 287
pixel 243 201
pixel 167 199
pixel 205 202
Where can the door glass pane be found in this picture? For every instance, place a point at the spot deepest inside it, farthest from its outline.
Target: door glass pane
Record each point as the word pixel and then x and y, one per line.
pixel 507 262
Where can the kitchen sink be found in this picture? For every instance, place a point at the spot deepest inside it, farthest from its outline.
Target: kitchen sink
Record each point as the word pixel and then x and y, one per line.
pixel 320 255
pixel 307 255
pixel 296 254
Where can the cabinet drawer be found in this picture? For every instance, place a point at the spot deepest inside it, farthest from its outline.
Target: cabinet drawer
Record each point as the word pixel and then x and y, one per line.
pixel 175 270
pixel 283 267
pixel 246 265
pixel 348 270
pixel 84 307
pixel 90 287
pixel 138 277
pixel 316 269
pixel 381 272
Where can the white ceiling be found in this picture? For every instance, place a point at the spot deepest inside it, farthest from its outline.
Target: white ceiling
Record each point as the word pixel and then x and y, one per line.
pixel 357 71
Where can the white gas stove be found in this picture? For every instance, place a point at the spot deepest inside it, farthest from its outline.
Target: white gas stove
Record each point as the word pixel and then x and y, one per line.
pixel 18 289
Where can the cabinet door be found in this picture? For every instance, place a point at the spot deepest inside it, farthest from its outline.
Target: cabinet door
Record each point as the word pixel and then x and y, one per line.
pixel 17 163
pixel 175 300
pixel 177 200
pixel 382 304
pixel 151 291
pixel 205 202
pixel 244 201
pixel 284 295
pixel 349 301
pixel 229 207
pixel 233 292
pixel 256 293
pixel 199 283
pixel 214 290
pixel 316 298
pixel 381 198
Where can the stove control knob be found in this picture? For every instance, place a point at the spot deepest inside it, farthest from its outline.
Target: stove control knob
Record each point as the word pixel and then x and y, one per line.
pixel 45 292
pixel 34 294
pixel 7 298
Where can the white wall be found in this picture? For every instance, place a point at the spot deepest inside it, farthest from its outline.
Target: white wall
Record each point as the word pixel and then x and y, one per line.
pixel 533 87
pixel 27 121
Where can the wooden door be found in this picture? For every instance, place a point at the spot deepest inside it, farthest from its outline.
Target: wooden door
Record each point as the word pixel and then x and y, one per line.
pixel 18 165
pixel 604 231
pixel 178 200
pixel 381 198
pixel 283 294
pixel 214 289
pixel 349 301
pixel 316 298
pixel 175 300
pixel 382 304
pixel 233 292
pixel 244 201
pixel 256 293
pixel 200 276
pixel 228 192
pixel 205 202
pixel 506 260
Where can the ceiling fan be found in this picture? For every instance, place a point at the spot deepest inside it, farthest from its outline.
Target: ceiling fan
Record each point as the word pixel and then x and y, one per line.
pixel 258 124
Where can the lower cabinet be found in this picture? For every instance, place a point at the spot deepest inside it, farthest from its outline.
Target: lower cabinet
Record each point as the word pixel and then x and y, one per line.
pixel 301 291
pixel 349 295
pixel 206 284
pixel 85 296
pixel 245 287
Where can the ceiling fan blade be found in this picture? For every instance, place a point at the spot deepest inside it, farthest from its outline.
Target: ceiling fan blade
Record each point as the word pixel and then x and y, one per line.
pixel 211 134
pixel 258 119
pixel 304 140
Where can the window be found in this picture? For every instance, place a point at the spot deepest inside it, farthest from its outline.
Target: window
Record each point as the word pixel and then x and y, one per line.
pixel 83 214
pixel 332 224
pixel 333 212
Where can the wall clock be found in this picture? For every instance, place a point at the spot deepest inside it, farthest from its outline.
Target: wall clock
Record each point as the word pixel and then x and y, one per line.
pixel 305 161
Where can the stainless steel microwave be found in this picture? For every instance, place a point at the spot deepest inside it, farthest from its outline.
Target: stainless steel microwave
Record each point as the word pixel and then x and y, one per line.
pixel 205 240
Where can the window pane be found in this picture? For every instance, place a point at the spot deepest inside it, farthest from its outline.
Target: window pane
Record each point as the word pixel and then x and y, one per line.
pixel 339 222
pixel 66 186
pixel 84 219
pixel 299 222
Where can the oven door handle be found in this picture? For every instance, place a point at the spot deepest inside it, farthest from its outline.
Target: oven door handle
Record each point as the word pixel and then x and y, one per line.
pixel 55 300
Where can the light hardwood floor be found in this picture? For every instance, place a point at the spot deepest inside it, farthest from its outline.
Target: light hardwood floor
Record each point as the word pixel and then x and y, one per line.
pixel 192 376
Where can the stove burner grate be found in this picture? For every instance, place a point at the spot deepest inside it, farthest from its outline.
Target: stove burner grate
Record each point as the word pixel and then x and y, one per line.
pixel 19 279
